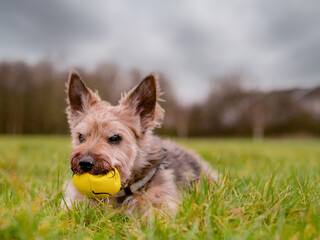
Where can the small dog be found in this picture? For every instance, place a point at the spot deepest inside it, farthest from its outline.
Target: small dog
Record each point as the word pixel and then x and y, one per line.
pixel 104 137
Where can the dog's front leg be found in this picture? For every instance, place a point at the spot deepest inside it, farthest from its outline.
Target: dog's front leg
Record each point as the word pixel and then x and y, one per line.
pixel 151 201
pixel 71 195
pixel 161 195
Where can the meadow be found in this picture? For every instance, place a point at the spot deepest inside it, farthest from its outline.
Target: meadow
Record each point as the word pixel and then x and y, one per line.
pixel 268 190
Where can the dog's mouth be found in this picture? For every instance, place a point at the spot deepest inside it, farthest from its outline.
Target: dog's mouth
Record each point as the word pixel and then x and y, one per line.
pixel 96 170
pixel 93 172
pixel 100 164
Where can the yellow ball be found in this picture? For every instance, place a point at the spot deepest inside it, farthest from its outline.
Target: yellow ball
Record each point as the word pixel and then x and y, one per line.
pixel 98 186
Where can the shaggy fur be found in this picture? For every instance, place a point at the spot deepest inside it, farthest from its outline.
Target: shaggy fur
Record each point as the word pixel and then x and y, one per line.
pixel 134 120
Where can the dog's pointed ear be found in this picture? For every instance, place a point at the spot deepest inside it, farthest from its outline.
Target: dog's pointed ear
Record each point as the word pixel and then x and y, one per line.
pixel 80 97
pixel 143 100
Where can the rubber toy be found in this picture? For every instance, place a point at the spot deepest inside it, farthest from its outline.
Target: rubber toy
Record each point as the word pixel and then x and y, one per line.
pixel 98 186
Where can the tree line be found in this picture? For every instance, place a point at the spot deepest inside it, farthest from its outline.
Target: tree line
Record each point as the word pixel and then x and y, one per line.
pixel 33 101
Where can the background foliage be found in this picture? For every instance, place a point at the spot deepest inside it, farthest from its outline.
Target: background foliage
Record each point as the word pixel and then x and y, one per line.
pixel 33 101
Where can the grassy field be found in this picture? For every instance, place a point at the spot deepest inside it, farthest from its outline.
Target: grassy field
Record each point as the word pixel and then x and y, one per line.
pixel 269 190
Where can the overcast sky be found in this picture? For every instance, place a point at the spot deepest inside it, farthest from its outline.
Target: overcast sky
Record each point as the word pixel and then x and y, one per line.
pixel 274 43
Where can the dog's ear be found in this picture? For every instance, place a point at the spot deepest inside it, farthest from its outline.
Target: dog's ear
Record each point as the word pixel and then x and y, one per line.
pixel 80 97
pixel 143 100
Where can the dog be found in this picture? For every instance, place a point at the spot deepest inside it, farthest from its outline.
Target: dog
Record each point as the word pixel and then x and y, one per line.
pixel 152 171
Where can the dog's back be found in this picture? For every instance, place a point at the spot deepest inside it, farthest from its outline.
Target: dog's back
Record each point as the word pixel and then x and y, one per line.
pixel 186 164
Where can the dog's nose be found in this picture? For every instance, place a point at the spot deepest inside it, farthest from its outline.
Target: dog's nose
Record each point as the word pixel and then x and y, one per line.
pixel 86 164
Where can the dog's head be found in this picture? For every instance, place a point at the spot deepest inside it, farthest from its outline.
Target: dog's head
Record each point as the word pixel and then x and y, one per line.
pixel 106 136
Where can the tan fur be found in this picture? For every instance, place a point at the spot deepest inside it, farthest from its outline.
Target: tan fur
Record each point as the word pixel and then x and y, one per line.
pixel 134 119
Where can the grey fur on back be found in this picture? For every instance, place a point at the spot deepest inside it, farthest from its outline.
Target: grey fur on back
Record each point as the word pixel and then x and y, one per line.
pixel 185 164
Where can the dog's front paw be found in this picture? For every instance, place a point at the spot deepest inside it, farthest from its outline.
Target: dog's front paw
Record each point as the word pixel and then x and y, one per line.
pixel 71 195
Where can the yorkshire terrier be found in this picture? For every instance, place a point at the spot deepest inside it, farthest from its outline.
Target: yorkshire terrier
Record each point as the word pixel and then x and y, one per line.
pixel 153 171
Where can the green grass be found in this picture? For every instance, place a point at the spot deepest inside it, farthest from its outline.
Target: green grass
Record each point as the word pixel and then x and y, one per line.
pixel 269 190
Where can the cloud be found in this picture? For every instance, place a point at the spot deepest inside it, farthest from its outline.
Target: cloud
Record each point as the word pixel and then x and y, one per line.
pixel 192 42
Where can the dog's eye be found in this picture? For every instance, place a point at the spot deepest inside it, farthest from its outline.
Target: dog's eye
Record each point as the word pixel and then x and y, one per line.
pixel 81 138
pixel 114 139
